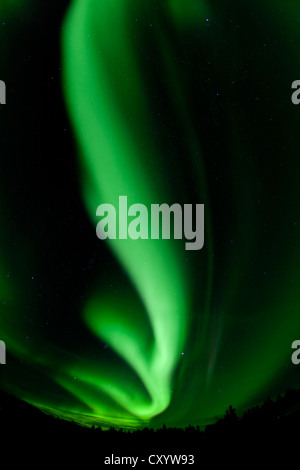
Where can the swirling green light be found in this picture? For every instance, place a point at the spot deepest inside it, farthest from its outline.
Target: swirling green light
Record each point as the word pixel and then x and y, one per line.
pixel 170 102
pixel 108 102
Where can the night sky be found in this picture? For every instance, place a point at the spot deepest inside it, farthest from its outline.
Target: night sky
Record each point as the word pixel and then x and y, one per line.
pixel 164 102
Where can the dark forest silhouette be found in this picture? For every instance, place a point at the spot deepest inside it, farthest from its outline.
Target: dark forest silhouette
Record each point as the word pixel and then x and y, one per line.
pixel 269 427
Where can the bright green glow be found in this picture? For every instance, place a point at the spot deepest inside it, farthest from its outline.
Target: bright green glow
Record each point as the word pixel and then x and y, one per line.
pixel 12 6
pixel 114 159
pixel 232 308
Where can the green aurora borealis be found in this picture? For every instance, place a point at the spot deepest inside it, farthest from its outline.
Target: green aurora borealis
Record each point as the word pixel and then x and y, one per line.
pixel 170 101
